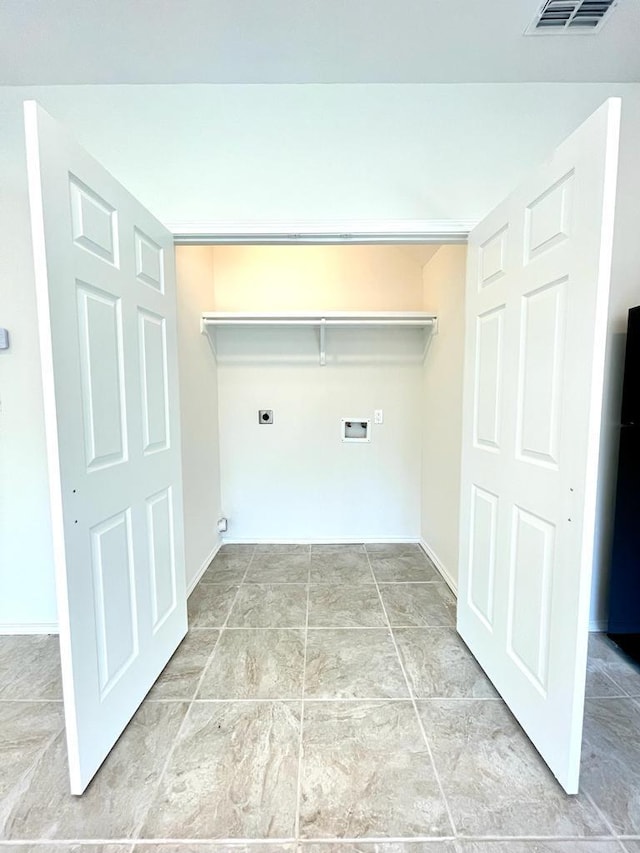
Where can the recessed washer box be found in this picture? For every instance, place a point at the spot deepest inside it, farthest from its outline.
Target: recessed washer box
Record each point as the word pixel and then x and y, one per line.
pixel 356 429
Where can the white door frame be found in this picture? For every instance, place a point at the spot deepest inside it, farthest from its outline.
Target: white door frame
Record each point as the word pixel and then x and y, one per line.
pixel 306 232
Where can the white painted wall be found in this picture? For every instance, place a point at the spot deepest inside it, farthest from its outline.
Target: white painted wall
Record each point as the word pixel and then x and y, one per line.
pixel 249 153
pixel 273 478
pixel 317 278
pixel 27 589
pixel 296 479
pixel 199 410
pixel 444 288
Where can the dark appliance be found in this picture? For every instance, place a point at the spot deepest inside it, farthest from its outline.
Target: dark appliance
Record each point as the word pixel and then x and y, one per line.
pixel 624 591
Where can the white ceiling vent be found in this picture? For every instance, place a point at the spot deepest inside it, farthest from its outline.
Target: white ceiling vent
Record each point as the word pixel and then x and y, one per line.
pixel 557 17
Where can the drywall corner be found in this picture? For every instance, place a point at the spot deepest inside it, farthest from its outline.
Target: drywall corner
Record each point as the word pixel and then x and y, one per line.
pixel 444 285
pixel 198 410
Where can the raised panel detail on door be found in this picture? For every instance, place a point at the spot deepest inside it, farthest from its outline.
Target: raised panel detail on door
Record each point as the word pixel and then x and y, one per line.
pixel 149 261
pixel 107 319
pixel 489 368
pixel 493 257
pixel 160 533
pixel 545 418
pixel 532 555
pixel 94 222
pixel 482 553
pixel 153 371
pixel 540 392
pixel 114 598
pixel 548 218
pixel 102 376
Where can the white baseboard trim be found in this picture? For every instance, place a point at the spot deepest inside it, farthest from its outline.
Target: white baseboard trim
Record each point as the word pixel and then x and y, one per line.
pixel 440 566
pixel 598 625
pixel 28 628
pixel 203 568
pixel 331 540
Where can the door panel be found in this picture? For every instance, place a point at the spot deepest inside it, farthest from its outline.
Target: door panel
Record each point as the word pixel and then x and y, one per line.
pixel 536 317
pixel 105 285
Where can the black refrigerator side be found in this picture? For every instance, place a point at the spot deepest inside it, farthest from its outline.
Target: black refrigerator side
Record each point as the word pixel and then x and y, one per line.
pixel 624 589
pixel 631 382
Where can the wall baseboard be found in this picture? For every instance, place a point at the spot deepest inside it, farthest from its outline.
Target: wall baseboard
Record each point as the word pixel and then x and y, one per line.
pixel 332 540
pixel 28 628
pixel 440 566
pixel 203 568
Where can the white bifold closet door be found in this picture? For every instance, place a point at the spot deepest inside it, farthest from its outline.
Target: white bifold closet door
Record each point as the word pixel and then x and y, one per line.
pixel 105 283
pixel 536 322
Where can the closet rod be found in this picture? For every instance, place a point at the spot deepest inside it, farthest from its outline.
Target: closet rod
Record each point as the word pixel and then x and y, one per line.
pixel 320 321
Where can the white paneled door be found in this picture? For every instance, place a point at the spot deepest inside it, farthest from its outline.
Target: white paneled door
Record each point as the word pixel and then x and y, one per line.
pixel 105 286
pixel 536 320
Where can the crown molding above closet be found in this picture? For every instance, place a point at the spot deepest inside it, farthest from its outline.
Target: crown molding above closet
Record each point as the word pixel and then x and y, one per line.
pixel 376 231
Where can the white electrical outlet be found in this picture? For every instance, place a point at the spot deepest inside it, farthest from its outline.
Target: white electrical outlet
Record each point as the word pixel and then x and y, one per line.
pixel 378 416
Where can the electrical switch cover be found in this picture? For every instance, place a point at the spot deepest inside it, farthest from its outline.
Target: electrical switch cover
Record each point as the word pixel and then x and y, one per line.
pixel 378 417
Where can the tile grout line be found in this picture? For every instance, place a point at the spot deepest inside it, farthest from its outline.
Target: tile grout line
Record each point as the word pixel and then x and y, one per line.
pixel 600 813
pixel 413 701
pixel 330 699
pixel 372 839
pixel 623 695
pixel 296 829
pixel 138 827
pixel 332 628
pixel 321 583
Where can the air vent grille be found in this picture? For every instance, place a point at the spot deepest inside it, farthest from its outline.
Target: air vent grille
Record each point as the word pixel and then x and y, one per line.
pixel 571 16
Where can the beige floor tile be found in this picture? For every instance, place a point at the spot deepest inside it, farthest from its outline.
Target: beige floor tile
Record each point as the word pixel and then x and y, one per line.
pixel 611 761
pixel 27 729
pixel 384 550
pixel 65 848
pixel 270 606
pixel 282 548
pixel 226 570
pixel 337 549
pixel 493 779
pixel 255 664
pixel 233 774
pixel 409 568
pixel 573 846
pixel 366 772
pixel 237 549
pixel 179 679
pixel 427 605
pixel 118 797
pixel 214 847
pixel 344 663
pixel 345 606
pixel 209 605
pixel 279 567
pixel 607 658
pixel 30 667
pixel 378 847
pixel 438 664
pixel 340 567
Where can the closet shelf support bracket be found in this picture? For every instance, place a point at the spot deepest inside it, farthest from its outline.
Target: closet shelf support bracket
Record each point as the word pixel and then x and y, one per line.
pixel 209 333
pixel 323 340
pixel 429 332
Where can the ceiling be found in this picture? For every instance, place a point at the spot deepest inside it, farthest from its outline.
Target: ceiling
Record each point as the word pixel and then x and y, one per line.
pixel 50 42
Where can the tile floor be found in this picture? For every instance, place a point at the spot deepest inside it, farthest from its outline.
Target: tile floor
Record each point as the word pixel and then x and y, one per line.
pixel 321 703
